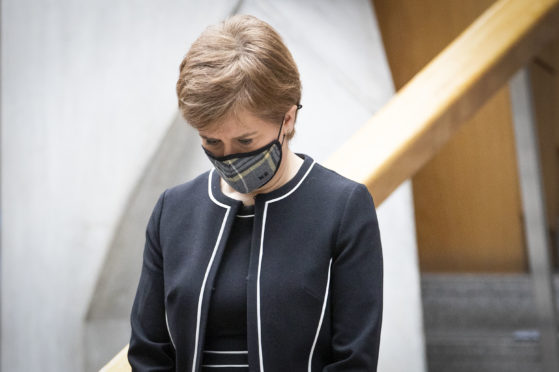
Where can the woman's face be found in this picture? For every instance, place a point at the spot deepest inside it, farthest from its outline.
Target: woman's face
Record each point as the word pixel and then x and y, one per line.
pixel 245 134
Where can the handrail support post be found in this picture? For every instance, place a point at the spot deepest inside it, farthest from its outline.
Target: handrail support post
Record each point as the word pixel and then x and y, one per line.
pixel 535 222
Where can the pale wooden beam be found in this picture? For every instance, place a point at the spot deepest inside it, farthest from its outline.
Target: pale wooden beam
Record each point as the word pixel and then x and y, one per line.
pixel 406 133
pixel 119 363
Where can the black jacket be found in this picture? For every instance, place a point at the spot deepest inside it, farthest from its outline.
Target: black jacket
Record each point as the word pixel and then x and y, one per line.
pixel 314 299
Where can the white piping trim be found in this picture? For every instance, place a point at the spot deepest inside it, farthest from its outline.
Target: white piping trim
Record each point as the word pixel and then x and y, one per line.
pixel 260 261
pixel 245 215
pixel 201 297
pixel 321 315
pixel 226 352
pixel 169 329
pixel 258 289
pixel 210 191
pixel 296 186
pixel 224 365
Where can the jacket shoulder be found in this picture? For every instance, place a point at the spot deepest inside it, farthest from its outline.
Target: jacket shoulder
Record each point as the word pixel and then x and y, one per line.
pixel 335 183
pixel 194 188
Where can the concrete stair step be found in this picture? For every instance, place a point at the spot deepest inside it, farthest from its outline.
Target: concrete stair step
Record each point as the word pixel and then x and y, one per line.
pixel 477 351
pixel 480 322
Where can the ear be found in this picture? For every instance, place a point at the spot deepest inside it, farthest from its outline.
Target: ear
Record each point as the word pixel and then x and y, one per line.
pixel 290 117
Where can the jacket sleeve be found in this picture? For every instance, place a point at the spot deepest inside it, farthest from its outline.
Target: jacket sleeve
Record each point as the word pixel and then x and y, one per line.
pixel 150 346
pixel 356 287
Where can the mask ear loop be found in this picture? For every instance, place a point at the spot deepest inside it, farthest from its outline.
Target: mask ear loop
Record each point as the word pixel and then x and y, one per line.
pixel 283 139
pixel 299 106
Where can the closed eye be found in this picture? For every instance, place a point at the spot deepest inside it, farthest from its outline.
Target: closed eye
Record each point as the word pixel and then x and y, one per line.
pixel 211 142
pixel 245 141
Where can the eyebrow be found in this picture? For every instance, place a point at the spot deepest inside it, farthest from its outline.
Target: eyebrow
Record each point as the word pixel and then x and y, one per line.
pixel 239 137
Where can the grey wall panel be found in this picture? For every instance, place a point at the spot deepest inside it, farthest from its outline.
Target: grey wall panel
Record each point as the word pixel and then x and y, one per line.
pixel 87 96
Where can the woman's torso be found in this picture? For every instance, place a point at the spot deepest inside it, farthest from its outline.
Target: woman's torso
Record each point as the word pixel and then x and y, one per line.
pixel 226 334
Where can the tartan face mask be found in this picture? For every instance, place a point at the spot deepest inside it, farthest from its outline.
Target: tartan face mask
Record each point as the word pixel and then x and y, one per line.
pixel 248 171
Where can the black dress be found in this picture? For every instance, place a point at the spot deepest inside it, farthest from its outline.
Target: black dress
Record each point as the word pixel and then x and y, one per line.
pixel 225 346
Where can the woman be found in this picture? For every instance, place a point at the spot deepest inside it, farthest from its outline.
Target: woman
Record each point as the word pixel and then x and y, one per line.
pixel 268 262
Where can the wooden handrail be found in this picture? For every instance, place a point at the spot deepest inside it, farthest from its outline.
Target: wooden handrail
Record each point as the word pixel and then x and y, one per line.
pixel 119 363
pixel 409 130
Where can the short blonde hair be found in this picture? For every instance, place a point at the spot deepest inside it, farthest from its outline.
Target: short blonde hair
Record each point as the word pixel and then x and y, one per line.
pixel 239 64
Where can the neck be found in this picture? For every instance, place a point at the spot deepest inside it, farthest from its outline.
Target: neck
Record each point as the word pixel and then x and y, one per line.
pixel 289 167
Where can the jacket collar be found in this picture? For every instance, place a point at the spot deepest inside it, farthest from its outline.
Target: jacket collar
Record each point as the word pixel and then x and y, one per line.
pixel 223 200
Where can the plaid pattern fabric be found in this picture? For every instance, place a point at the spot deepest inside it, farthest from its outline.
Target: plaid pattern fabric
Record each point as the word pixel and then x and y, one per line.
pixel 250 171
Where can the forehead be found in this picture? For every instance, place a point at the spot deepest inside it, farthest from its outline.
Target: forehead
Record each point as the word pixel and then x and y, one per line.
pixel 240 124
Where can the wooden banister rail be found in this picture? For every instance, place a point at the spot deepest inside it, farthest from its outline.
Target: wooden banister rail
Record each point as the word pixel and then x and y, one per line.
pixel 409 130
pixel 119 363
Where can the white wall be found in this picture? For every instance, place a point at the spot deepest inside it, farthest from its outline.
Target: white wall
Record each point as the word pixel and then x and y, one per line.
pixel 87 93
